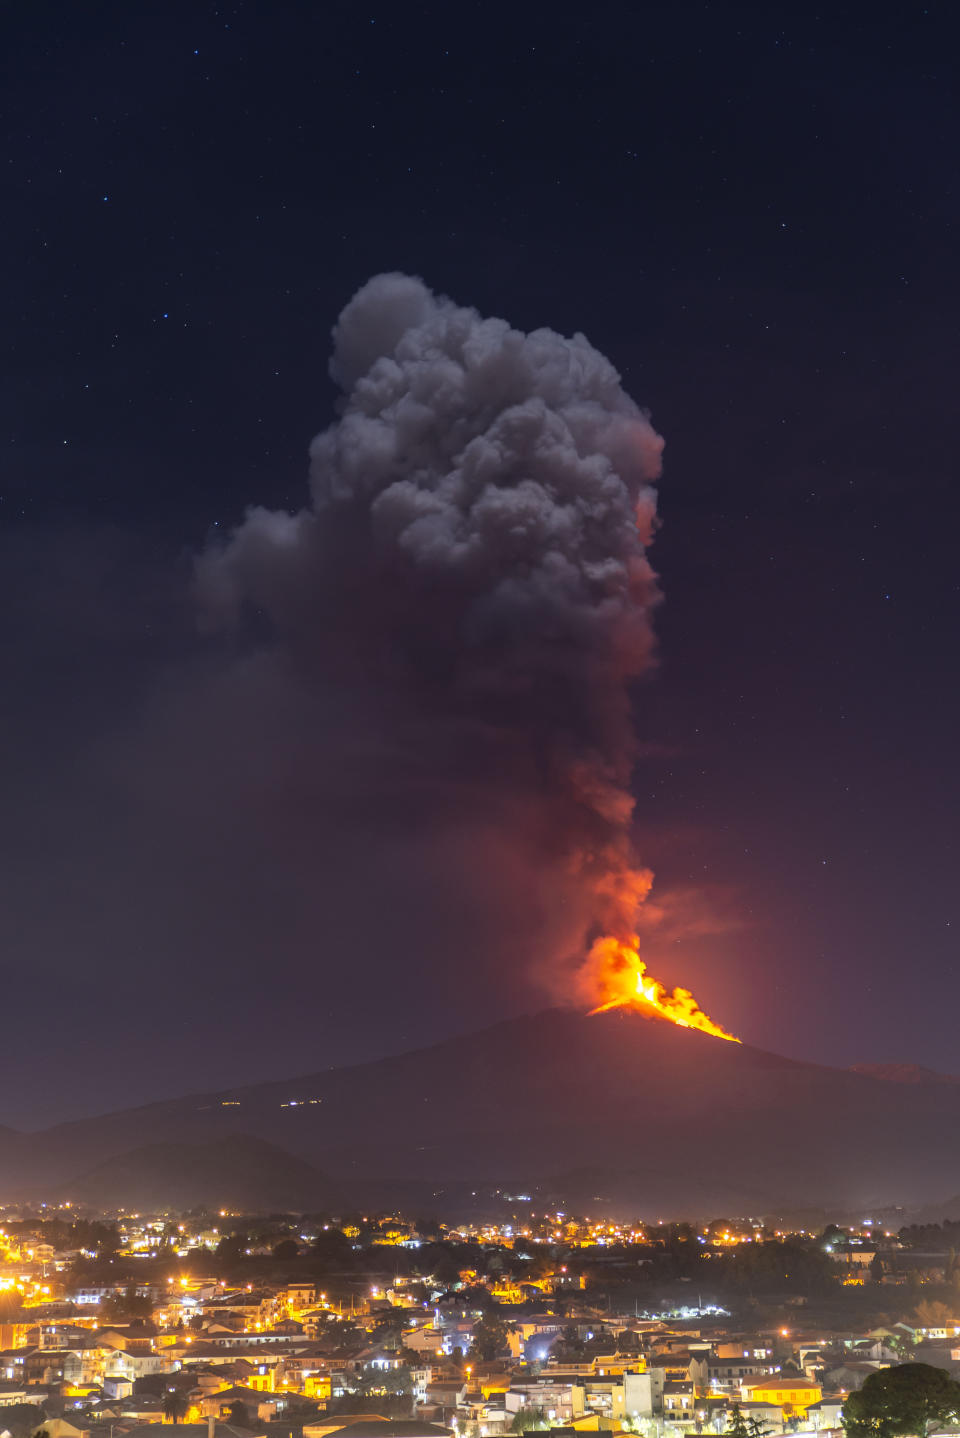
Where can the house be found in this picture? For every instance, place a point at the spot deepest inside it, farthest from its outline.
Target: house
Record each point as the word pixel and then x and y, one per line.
pixel 16 1335
pixel 553 1395
pixel 142 1410
pixel 747 1347
pixel 725 1375
pixel 825 1414
pixel 848 1377
pixel 45 1365
pixel 683 1365
pixel 392 1428
pixel 679 1400
pixel 63 1428
pixel 258 1405
pixel 446 1393
pixel 325 1427
pixel 938 1355
pixel 184 1430
pixel 768 1415
pixel 299 1296
pixel 117 1387
pixel 12 1391
pixel 602 1398
pixel 13 1364
pixel 425 1340
pixel 791 1395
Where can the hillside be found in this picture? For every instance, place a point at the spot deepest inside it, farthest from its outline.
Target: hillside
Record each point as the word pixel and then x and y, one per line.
pixel 235 1172
pixel 642 1114
pixel 904 1073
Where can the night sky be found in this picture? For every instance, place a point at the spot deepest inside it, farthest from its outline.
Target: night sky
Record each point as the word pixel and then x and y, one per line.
pixel 752 211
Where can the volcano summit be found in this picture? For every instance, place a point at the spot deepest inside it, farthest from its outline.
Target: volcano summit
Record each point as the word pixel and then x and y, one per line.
pixel 648 1116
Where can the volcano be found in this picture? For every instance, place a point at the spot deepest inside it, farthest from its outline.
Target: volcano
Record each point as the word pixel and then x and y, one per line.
pixel 614 1108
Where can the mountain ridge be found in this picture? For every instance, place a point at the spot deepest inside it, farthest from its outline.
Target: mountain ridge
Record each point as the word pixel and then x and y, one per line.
pixel 654 1117
pixel 239 1171
pixel 904 1073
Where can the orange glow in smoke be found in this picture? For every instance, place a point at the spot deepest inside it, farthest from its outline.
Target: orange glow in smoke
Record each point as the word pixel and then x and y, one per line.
pixel 620 979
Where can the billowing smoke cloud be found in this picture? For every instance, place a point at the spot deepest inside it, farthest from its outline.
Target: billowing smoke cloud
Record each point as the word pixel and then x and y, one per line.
pixel 469 586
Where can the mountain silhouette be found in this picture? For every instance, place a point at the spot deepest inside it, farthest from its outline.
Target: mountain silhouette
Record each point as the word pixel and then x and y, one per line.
pixel 636 1113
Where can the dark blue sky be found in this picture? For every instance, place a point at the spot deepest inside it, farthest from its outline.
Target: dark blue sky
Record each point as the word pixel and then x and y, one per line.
pixel 754 214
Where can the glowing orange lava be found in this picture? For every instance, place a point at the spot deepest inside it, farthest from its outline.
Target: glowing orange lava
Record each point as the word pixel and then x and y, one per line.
pixel 620 976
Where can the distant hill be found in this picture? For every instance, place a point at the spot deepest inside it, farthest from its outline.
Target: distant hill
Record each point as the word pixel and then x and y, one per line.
pixel 237 1172
pixel 636 1113
pixel 904 1073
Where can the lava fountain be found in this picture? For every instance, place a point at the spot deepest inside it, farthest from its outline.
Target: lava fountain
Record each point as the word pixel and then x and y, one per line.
pixel 621 981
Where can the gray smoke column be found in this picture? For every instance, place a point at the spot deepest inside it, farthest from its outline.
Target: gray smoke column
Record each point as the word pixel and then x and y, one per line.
pixel 472 570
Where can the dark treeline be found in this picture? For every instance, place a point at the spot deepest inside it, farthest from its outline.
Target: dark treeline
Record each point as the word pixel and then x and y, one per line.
pixel 938 1237
pixel 340 1264
pixel 91 1234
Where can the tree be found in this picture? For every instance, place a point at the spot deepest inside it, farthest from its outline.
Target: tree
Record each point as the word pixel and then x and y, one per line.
pixel 569 1347
pixel 440 1264
pixel 737 1424
pixel 333 1251
pixel 24 1418
pixel 175 1405
pixel 931 1313
pixel 740 1427
pixel 387 1405
pixel 286 1248
pixel 121 1307
pixel 902 1400
pixel 231 1248
pixel 526 1418
pixel 489 1337
pixel 393 1387
pixel 239 1414
pixel 387 1334
pixel 105 1237
pixel 396 1381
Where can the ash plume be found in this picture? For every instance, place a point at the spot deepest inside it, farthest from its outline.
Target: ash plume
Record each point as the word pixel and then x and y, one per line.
pixel 469 588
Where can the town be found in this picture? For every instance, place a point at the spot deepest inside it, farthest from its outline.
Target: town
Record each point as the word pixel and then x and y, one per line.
pixel 390 1326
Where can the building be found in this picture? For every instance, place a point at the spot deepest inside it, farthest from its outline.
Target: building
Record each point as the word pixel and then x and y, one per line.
pixel 792 1395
